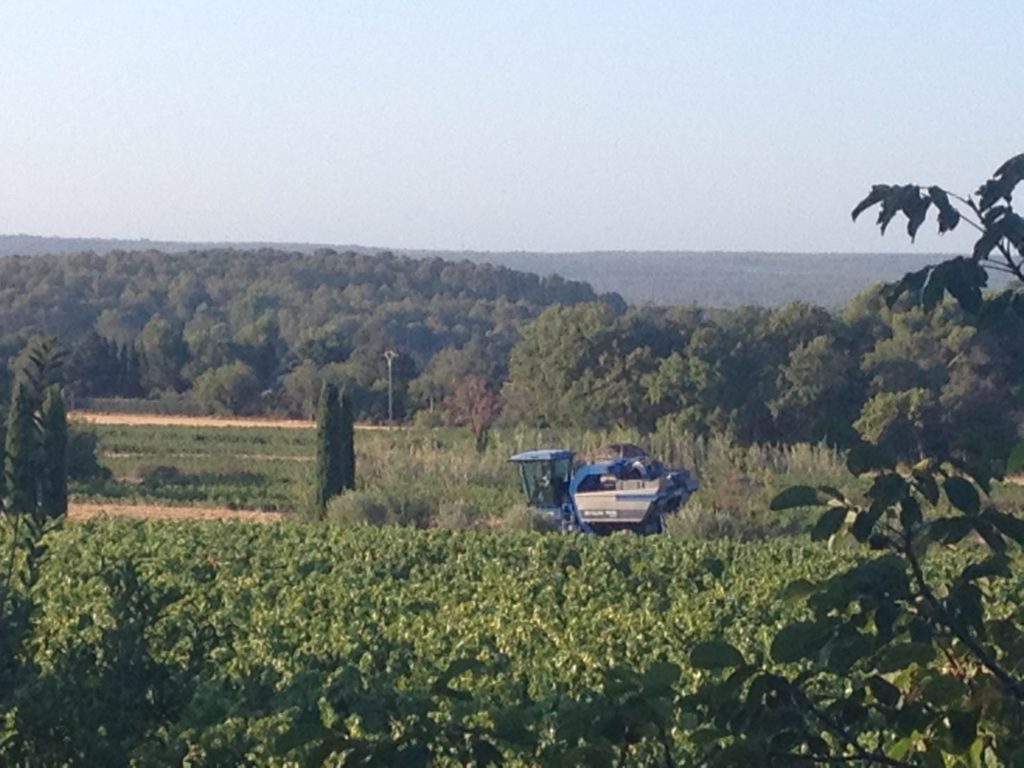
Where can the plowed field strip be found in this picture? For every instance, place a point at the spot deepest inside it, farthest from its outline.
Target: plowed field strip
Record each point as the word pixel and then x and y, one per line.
pixel 170 420
pixel 165 420
pixel 198 455
pixel 79 512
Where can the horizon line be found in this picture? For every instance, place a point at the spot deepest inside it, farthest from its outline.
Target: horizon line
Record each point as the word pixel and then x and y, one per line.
pixel 481 251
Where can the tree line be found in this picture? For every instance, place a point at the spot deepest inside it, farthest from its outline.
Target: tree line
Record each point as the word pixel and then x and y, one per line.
pixel 259 331
pixel 919 380
pixel 249 332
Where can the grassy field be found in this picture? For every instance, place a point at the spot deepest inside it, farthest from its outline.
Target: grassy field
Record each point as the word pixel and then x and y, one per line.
pixel 246 468
pixel 429 476
pixel 270 468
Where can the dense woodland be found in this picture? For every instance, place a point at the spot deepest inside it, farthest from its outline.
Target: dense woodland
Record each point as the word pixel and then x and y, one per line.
pixel 253 331
pixel 918 381
pixel 249 332
pixel 710 278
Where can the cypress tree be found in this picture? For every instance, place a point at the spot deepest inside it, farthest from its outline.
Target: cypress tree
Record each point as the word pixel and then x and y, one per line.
pixel 21 452
pixel 348 444
pixel 53 486
pixel 3 462
pixel 122 370
pixel 134 371
pixel 329 473
pixel 3 438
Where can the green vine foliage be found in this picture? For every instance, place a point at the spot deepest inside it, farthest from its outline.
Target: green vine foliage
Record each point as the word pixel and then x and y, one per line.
pixel 897 660
pixel 158 643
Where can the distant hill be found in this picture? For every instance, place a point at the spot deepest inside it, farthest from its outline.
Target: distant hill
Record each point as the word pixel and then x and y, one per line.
pixel 715 279
pixel 258 330
pixel 35 245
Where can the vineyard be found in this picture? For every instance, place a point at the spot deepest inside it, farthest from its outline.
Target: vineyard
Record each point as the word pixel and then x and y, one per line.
pixel 233 644
pixel 338 643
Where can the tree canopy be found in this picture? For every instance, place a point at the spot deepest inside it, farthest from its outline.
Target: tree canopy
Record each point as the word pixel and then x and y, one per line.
pixel 239 330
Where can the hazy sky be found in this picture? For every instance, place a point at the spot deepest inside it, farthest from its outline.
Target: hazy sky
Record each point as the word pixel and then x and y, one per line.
pixel 742 125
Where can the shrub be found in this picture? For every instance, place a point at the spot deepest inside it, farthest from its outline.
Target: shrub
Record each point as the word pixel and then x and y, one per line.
pixel 357 508
pixel 159 473
pixel 83 463
pixel 523 518
pixel 458 515
pixel 376 508
pixel 698 520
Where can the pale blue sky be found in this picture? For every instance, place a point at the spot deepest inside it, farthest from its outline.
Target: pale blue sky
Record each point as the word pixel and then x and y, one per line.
pixel 498 125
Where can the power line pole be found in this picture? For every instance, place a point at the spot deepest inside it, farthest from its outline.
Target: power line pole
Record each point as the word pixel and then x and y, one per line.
pixel 390 356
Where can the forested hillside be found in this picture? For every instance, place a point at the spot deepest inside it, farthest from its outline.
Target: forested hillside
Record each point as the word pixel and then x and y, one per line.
pixel 709 278
pixel 253 331
pixel 258 332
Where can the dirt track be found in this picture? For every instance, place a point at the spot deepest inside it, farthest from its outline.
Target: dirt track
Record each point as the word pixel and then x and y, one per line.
pixel 171 420
pixel 165 420
pixel 79 512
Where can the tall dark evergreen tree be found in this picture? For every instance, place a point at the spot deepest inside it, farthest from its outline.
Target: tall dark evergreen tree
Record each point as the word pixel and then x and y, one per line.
pixel 91 369
pixel 21 451
pixel 122 370
pixel 53 480
pixel 5 395
pixel 36 439
pixel 133 374
pixel 348 444
pixel 329 471
pixel 3 465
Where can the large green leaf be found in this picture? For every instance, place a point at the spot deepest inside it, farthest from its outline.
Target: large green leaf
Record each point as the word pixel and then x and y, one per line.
pixel 884 691
pixel 1006 523
pixel 949 216
pixel 829 523
pixel 963 728
pixel 799 640
pixel 715 654
pixel 800 589
pixel 796 496
pixel 949 530
pixel 899 656
pixel 964 281
pixel 962 494
pixel 865 457
pixel 943 690
pixel 864 525
pixel 888 489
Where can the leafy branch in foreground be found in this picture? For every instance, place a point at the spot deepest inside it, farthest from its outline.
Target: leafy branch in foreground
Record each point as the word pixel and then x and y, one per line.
pixel 999 247
pixel 895 663
pixel 898 661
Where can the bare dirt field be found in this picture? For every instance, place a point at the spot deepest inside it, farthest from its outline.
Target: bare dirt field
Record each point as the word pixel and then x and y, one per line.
pixel 165 420
pixel 171 420
pixel 79 512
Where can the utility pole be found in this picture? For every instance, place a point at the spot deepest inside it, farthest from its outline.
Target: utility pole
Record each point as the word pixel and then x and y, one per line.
pixel 390 356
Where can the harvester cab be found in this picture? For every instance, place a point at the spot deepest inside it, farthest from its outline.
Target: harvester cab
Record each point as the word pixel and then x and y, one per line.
pixel 618 488
pixel 546 475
